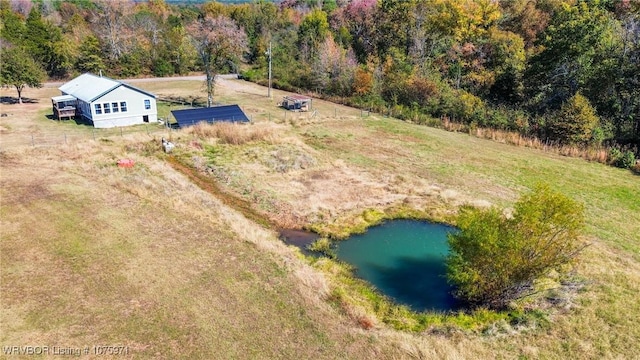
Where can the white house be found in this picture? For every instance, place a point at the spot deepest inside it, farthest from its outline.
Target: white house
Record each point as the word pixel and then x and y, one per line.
pixel 110 103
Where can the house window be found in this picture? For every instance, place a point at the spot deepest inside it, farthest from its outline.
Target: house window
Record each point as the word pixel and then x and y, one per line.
pixel 147 104
pixel 98 108
pixel 123 106
pixel 114 106
pixel 107 108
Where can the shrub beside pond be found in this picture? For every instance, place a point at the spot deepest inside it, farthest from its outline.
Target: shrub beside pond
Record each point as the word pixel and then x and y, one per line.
pixel 496 259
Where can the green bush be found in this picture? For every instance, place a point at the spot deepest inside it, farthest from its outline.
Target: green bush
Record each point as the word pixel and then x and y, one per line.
pixel 162 67
pixel 469 108
pixel 597 136
pixel 625 160
pixel 628 160
pixel 498 118
pixel 252 75
pixel 496 259
pixel 614 156
pixel 575 122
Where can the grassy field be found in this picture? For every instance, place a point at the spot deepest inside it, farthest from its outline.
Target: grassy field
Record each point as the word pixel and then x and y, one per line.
pixel 92 254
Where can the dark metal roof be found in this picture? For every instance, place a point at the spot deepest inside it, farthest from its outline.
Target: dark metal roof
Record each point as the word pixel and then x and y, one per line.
pixel 189 117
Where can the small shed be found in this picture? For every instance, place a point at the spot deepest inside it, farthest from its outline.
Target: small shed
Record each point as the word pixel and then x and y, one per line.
pixel 210 115
pixel 64 106
pixel 296 103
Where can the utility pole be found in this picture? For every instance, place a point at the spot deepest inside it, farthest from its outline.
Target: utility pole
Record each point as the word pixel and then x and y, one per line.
pixel 269 53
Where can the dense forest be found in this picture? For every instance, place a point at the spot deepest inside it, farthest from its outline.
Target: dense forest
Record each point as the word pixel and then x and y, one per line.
pixel 565 71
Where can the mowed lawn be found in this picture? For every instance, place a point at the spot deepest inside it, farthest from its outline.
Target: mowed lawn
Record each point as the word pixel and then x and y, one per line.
pixel 92 254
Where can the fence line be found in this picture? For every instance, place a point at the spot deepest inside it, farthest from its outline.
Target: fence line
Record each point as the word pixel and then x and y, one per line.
pixel 62 137
pixel 73 135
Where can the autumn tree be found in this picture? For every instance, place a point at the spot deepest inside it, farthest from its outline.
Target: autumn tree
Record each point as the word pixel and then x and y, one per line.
pixel 468 25
pixel 335 67
pixel 75 30
pixel 213 9
pixel 508 63
pixel 178 49
pixel 151 27
pixel 464 20
pixel 360 20
pixel 427 43
pixel 496 259
pixel 218 41
pixel 393 25
pixel 260 20
pixel 362 81
pixel 576 44
pixel 18 69
pixel 312 32
pixel 526 19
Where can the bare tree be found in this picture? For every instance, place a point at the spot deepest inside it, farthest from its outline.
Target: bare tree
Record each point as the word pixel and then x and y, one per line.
pixel 150 24
pixel 217 40
pixel 111 20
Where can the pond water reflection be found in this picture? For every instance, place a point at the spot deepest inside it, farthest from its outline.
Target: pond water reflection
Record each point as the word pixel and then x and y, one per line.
pixel 405 260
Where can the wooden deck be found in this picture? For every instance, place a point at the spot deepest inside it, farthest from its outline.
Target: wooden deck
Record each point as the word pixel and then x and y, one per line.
pixel 64 109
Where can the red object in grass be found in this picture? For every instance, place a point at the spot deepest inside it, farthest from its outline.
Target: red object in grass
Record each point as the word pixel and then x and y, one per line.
pixel 126 163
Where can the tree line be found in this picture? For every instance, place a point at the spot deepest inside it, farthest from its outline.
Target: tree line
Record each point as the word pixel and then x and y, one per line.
pixel 563 70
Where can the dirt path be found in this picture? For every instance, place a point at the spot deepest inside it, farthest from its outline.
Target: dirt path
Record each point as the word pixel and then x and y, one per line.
pixel 209 186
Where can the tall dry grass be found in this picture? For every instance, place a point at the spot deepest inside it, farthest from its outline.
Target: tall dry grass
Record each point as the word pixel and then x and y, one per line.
pixel 590 153
pixel 233 133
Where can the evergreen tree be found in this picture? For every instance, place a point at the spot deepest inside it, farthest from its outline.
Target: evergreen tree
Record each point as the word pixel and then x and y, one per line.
pixel 89 59
pixel 11 24
pixel 44 42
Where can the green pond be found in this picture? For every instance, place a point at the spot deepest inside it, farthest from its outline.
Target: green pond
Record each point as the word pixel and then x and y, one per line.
pixel 404 260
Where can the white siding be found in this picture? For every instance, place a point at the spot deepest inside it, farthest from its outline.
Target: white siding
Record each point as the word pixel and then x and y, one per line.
pixel 135 108
pixel 83 107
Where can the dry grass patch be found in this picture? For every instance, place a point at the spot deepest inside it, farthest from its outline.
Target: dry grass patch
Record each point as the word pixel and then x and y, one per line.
pixel 233 133
pixel 282 158
pixel 143 258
